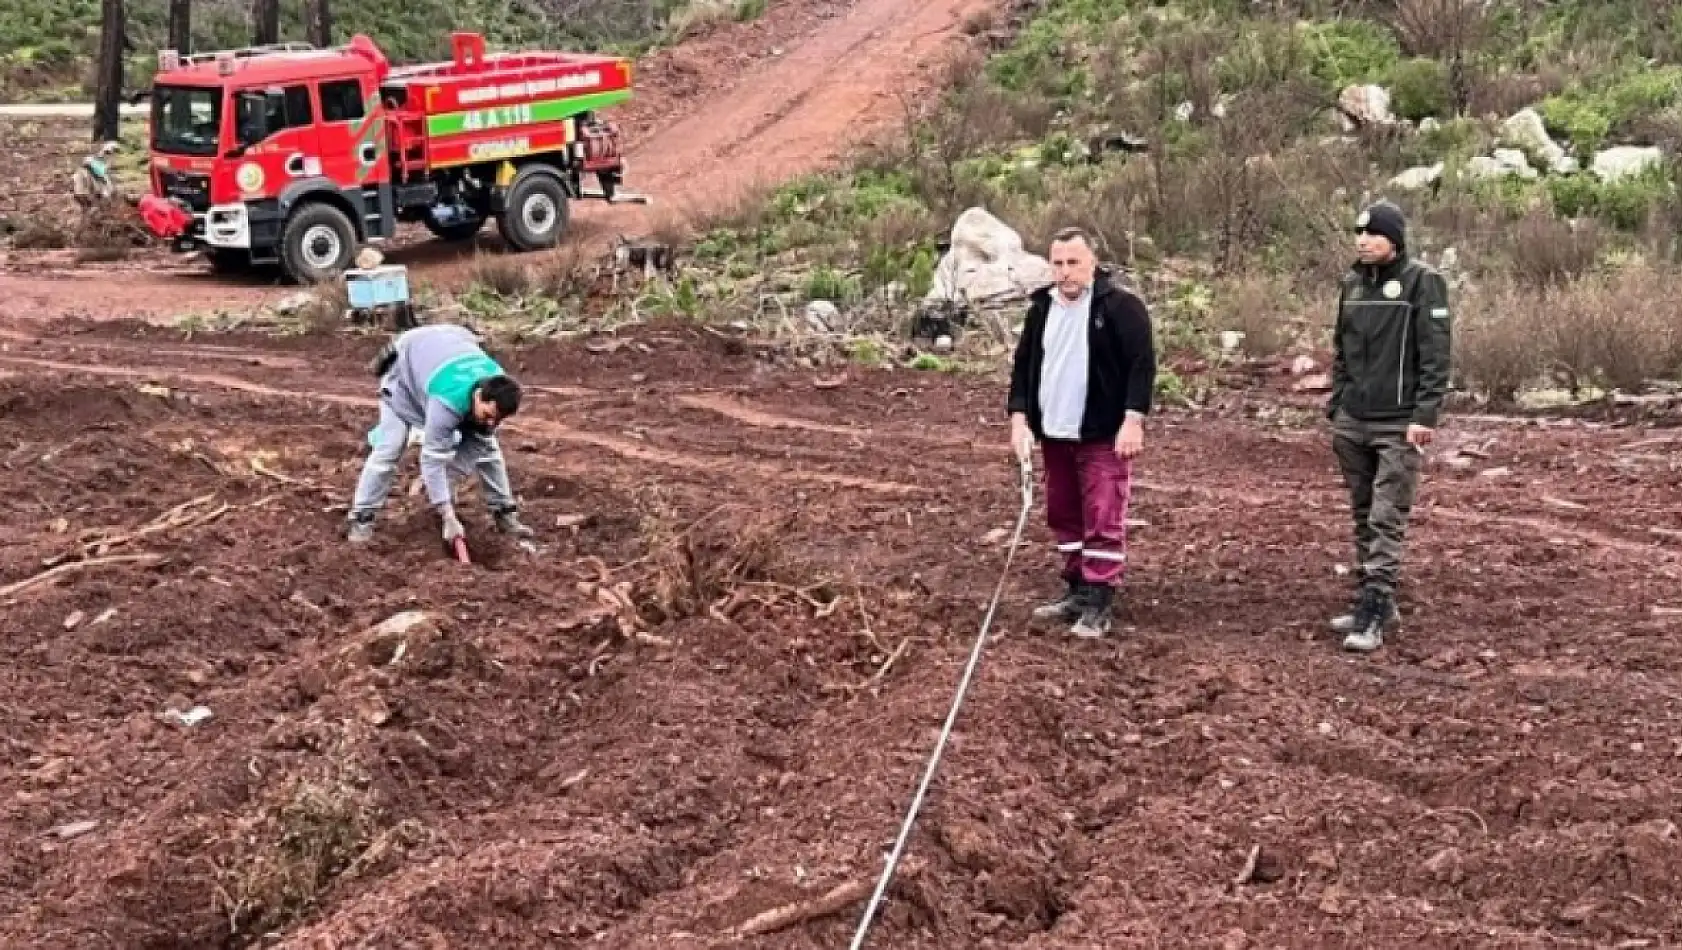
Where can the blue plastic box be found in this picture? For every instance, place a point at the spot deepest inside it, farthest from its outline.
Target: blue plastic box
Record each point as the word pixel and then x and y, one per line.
pixel 378 287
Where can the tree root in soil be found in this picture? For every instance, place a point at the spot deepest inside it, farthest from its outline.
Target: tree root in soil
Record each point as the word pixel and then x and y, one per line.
pixel 54 573
pixel 793 915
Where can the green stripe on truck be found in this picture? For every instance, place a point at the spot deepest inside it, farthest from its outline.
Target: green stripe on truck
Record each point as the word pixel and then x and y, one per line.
pixel 491 118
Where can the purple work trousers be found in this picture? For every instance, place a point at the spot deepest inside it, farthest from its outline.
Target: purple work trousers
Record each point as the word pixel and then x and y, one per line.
pixel 1087 488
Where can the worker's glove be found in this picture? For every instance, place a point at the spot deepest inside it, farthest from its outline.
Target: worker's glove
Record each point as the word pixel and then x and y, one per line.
pixel 452 524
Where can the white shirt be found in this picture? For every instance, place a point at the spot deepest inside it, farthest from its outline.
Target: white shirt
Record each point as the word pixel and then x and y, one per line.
pixel 1063 370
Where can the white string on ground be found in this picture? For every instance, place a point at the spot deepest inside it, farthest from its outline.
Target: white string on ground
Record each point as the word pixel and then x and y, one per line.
pixel 952 714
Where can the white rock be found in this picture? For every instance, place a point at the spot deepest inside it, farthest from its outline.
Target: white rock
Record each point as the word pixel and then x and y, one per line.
pixel 1421 176
pixel 1365 105
pixel 1429 124
pixel 1525 130
pixel 1567 166
pixel 987 262
pixel 1514 159
pixel 397 625
pixel 1624 161
pixel 823 315
pixel 943 344
pixel 1506 166
pixel 1303 365
pixel 1230 340
pixel 1183 111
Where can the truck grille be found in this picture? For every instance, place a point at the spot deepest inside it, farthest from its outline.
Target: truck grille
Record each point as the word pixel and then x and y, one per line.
pixel 192 190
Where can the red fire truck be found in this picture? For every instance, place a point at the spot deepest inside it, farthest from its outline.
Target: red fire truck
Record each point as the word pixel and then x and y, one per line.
pixel 295 155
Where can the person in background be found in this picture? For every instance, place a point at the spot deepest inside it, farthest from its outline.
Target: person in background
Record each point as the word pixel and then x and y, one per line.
pixel 1390 370
pixel 1081 386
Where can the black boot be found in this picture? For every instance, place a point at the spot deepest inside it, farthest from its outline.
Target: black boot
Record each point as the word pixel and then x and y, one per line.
pixel 1065 609
pixel 1375 613
pixel 1094 621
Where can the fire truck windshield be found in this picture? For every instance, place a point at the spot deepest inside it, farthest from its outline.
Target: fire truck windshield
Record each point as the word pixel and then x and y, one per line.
pixel 186 119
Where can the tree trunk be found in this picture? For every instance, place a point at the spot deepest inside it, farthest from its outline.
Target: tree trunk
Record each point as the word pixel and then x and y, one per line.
pixel 318 23
pixel 265 22
pixel 181 26
pixel 108 80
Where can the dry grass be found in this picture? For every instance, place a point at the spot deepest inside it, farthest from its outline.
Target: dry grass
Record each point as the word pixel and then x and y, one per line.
pixel 1547 250
pixel 504 275
pixel 694 567
pixel 325 314
pixel 315 832
pixel 1617 330
pixel 38 234
pixel 1264 310
pixel 1441 29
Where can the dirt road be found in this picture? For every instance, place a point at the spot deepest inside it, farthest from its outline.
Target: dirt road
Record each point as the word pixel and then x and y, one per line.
pixel 751 104
pixel 544 764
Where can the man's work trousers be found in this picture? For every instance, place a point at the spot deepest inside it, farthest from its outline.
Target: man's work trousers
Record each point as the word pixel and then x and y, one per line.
pixel 387 442
pixel 1382 471
pixel 1087 489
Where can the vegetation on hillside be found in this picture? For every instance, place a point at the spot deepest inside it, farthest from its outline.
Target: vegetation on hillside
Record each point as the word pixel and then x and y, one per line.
pixel 46 46
pixel 1237 218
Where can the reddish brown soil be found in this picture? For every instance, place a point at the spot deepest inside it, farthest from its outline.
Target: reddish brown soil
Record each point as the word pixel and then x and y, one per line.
pixel 528 772
pixel 747 105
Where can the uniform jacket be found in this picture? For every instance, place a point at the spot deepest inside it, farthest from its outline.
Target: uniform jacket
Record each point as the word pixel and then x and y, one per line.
pixel 1391 343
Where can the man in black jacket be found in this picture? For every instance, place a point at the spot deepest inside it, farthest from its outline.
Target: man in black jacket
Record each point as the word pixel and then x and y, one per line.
pixel 1081 386
pixel 1389 374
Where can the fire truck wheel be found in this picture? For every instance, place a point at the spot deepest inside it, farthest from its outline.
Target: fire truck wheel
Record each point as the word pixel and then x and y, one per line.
pixel 534 214
pixel 318 242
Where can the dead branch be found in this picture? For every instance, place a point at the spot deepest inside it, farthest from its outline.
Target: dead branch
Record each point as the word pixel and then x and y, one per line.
pixel 791 915
pixel 824 608
pixel 721 609
pixel 174 520
pixel 1455 810
pixel 888 664
pixel 1248 871
pixel 875 678
pixel 53 573
pixel 263 470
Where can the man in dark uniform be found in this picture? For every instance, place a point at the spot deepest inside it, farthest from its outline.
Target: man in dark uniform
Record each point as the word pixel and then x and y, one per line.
pixel 1389 375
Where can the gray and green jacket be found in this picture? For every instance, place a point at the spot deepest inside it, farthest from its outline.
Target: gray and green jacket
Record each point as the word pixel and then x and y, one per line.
pixel 1391 343
pixel 429 385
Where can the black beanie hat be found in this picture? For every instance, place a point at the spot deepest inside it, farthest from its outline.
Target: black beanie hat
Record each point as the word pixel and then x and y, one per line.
pixel 1382 217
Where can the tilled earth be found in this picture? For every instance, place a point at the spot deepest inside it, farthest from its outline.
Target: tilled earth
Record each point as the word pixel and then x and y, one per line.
pixel 712 690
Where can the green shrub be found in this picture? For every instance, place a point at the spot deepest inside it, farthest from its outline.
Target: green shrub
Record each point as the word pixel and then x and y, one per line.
pixel 1625 204
pixel 827 283
pixel 1586 124
pixel 1342 52
pixel 749 10
pixel 1419 88
pixel 1587 115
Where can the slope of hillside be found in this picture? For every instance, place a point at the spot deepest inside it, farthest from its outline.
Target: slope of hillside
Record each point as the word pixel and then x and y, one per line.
pixel 1221 149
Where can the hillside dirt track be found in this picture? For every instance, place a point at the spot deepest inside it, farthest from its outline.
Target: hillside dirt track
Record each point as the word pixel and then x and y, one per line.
pixel 747 105
pixel 536 767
